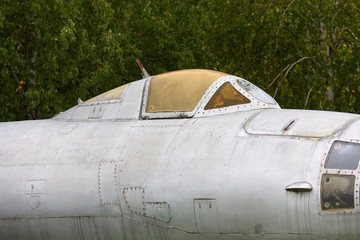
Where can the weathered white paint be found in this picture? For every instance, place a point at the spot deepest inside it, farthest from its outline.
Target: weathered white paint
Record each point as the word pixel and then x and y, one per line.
pixel 217 177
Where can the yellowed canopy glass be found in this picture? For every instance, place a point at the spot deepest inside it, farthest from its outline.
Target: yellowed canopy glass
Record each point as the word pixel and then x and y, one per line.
pixel 179 91
pixel 226 96
pixel 112 94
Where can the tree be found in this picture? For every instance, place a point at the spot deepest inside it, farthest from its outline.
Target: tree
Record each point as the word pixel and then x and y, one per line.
pixel 53 52
pixel 304 53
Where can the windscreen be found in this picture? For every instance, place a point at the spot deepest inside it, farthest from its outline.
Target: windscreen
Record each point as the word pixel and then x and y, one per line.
pixel 179 91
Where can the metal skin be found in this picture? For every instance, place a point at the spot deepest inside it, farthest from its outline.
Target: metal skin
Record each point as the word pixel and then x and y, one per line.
pixel 248 174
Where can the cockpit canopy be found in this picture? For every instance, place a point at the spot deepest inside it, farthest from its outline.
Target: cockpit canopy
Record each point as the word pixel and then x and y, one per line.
pixel 179 91
pixel 184 93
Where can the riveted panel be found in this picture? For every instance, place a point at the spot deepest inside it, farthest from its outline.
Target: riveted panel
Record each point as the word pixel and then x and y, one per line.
pixel 97 111
pixel 108 183
pixel 135 199
pixel 206 215
pixel 158 210
pixel 131 104
pixel 297 123
pixel 85 227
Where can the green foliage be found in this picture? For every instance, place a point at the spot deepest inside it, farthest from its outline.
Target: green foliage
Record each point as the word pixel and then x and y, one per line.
pixel 54 52
pixel 304 53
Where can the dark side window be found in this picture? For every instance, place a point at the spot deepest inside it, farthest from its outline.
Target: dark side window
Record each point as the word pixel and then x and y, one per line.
pixel 343 155
pixel 337 191
pixel 338 185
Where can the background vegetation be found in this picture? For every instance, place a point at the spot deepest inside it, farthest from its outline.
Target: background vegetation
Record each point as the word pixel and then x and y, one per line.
pixel 305 53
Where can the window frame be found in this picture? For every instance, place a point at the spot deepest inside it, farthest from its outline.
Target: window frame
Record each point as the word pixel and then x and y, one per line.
pixel 329 159
pixel 227 86
pixel 327 199
pixel 179 114
pixel 199 110
pixel 254 102
pixel 339 172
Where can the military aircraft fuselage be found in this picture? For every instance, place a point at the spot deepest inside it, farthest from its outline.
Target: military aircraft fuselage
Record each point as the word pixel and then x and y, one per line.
pixel 263 173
